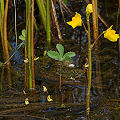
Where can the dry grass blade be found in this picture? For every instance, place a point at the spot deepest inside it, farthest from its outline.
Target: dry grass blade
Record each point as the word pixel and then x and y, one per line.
pixel 61 10
pixel 63 5
pixel 56 21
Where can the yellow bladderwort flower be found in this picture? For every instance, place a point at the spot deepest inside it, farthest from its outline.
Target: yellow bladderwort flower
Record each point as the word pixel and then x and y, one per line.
pixel 45 89
pixel 76 21
pixel 110 34
pixel 89 9
pixel 49 99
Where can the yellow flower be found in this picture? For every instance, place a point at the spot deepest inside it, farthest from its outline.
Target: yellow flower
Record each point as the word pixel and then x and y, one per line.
pixel 110 34
pixel 26 101
pixel 45 89
pixel 89 9
pixel 76 21
pixel 49 99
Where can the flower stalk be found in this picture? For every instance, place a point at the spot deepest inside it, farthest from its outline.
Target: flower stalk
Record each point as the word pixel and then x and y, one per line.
pixel 109 34
pixel 89 67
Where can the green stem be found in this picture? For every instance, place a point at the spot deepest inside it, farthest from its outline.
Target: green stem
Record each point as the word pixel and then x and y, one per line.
pixel 84 27
pixel 1 20
pixel 28 7
pixel 42 11
pixel 89 68
pixel 96 40
pixel 48 24
pixel 32 43
pixel 60 76
pixel 2 8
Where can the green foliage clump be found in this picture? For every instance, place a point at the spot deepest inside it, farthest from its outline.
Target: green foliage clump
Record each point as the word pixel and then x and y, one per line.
pixel 60 56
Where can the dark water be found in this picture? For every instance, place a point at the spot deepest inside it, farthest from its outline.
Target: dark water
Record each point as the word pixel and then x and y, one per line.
pixel 71 104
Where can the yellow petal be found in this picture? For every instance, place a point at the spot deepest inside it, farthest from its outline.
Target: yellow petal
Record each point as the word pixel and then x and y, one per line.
pixel 36 58
pixel 44 89
pixel 49 99
pixel 110 34
pixel 76 21
pixel 89 9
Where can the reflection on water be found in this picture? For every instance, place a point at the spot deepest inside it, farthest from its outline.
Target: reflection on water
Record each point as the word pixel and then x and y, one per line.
pixel 71 103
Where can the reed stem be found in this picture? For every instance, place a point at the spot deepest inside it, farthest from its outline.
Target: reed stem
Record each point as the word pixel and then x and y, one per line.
pixel 42 11
pixel 29 45
pixel 32 42
pixel 95 20
pixel 2 9
pixel 48 24
pixel 1 22
pixel 6 55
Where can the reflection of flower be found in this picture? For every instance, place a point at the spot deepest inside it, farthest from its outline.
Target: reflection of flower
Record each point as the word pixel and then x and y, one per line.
pixel 44 89
pixel 110 34
pixel 26 101
pixel 76 21
pixel 49 99
pixel 89 9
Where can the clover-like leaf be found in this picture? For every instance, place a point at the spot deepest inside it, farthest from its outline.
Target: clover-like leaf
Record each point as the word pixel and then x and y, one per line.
pixel 21 37
pixel 53 54
pixel 70 54
pixel 67 58
pixel 60 49
pixel 23 32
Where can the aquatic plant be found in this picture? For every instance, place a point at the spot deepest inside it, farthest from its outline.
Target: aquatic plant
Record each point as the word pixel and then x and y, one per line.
pixel 109 34
pixel 29 45
pixel 3 31
pixel 60 56
pixel 22 37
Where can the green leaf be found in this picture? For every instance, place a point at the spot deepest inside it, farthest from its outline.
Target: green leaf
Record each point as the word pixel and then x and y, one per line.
pixel 70 54
pixel 23 32
pixel 60 49
pixel 53 54
pixel 67 58
pixel 65 1
pixel 21 37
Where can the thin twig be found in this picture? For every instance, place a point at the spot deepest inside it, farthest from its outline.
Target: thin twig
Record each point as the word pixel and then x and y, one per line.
pixel 56 21
pixel 15 23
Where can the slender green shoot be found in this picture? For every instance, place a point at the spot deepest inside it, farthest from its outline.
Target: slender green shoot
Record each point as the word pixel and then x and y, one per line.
pixel 60 56
pixel 48 24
